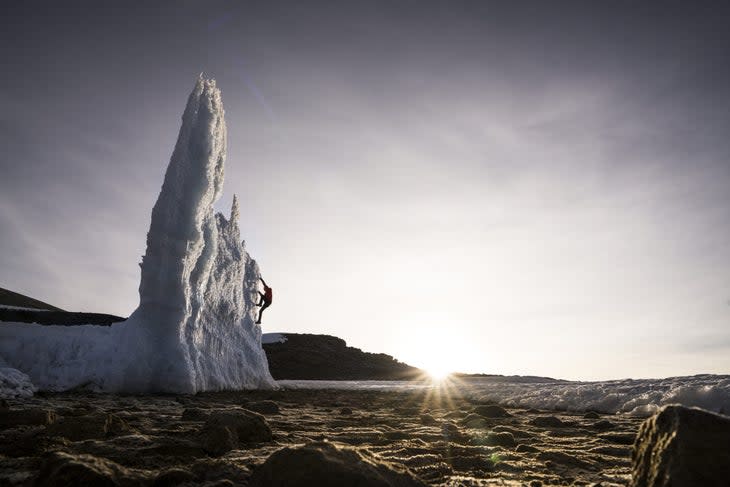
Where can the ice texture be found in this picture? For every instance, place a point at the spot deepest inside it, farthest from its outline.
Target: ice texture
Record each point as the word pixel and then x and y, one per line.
pixel 14 383
pixel 637 397
pixel 194 329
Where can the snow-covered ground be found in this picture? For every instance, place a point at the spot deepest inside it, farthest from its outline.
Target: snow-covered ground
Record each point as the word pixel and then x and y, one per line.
pixel 273 338
pixel 640 397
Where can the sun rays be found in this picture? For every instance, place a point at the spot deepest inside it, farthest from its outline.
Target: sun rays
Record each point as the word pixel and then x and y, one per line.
pixel 444 388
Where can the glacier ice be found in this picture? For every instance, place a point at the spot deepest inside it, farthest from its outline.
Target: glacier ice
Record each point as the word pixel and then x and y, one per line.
pixel 14 383
pixel 194 329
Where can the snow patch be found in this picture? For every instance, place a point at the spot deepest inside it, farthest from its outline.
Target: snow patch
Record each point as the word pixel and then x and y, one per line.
pixel 638 397
pixel 642 397
pixel 267 338
pixel 14 383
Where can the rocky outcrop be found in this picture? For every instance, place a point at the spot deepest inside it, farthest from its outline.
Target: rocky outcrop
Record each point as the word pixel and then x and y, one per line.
pixel 63 318
pixel 682 447
pixel 324 357
pixel 63 469
pixel 17 300
pixel 328 465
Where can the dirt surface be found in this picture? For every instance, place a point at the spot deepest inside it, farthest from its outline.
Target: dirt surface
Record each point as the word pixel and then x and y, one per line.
pixel 172 440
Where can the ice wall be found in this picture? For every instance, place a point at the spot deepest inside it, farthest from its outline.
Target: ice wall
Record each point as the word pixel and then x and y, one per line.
pixel 194 329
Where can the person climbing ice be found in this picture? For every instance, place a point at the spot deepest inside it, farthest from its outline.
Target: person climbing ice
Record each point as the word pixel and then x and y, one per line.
pixel 265 301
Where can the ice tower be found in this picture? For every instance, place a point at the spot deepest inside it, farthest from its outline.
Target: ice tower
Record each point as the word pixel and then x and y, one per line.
pixel 194 329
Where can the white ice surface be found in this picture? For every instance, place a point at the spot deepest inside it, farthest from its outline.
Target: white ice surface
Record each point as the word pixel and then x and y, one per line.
pixel 641 397
pixel 273 338
pixel 14 383
pixel 194 329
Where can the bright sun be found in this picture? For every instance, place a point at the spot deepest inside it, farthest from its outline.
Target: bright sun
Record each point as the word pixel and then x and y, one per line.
pixel 438 372
pixel 426 350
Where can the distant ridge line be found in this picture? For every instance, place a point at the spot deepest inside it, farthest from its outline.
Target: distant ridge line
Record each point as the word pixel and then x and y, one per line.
pixel 24 309
pixel 10 298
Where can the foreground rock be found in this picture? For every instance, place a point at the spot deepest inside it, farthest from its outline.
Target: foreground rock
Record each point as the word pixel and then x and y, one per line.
pixel 61 469
pixel 226 430
pixel 17 417
pixel 491 411
pixel 325 464
pixel 93 426
pixel 682 447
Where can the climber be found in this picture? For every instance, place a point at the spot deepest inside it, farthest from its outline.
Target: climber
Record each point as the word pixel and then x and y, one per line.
pixel 265 301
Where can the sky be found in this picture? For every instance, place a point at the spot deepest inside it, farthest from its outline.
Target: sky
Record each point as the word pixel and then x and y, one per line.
pixel 528 187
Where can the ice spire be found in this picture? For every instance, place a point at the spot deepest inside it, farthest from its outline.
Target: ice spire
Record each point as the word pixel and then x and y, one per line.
pixel 235 211
pixel 194 290
pixel 193 182
pixel 194 329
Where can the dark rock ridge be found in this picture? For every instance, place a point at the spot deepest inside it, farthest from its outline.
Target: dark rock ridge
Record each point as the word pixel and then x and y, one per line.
pixel 682 447
pixel 10 298
pixel 45 314
pixel 326 464
pixel 324 357
pixel 64 318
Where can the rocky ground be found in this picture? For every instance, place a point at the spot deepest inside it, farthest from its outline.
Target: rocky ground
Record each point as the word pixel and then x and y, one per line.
pixel 226 438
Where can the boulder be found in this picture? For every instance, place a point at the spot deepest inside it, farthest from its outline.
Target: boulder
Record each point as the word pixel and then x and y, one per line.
pixel 225 430
pixel 195 414
pixel 62 469
pixel 603 425
pixel 219 440
pixel 682 447
pixel 328 465
pixel 474 421
pixel 90 427
pixel 491 411
pixel 548 422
